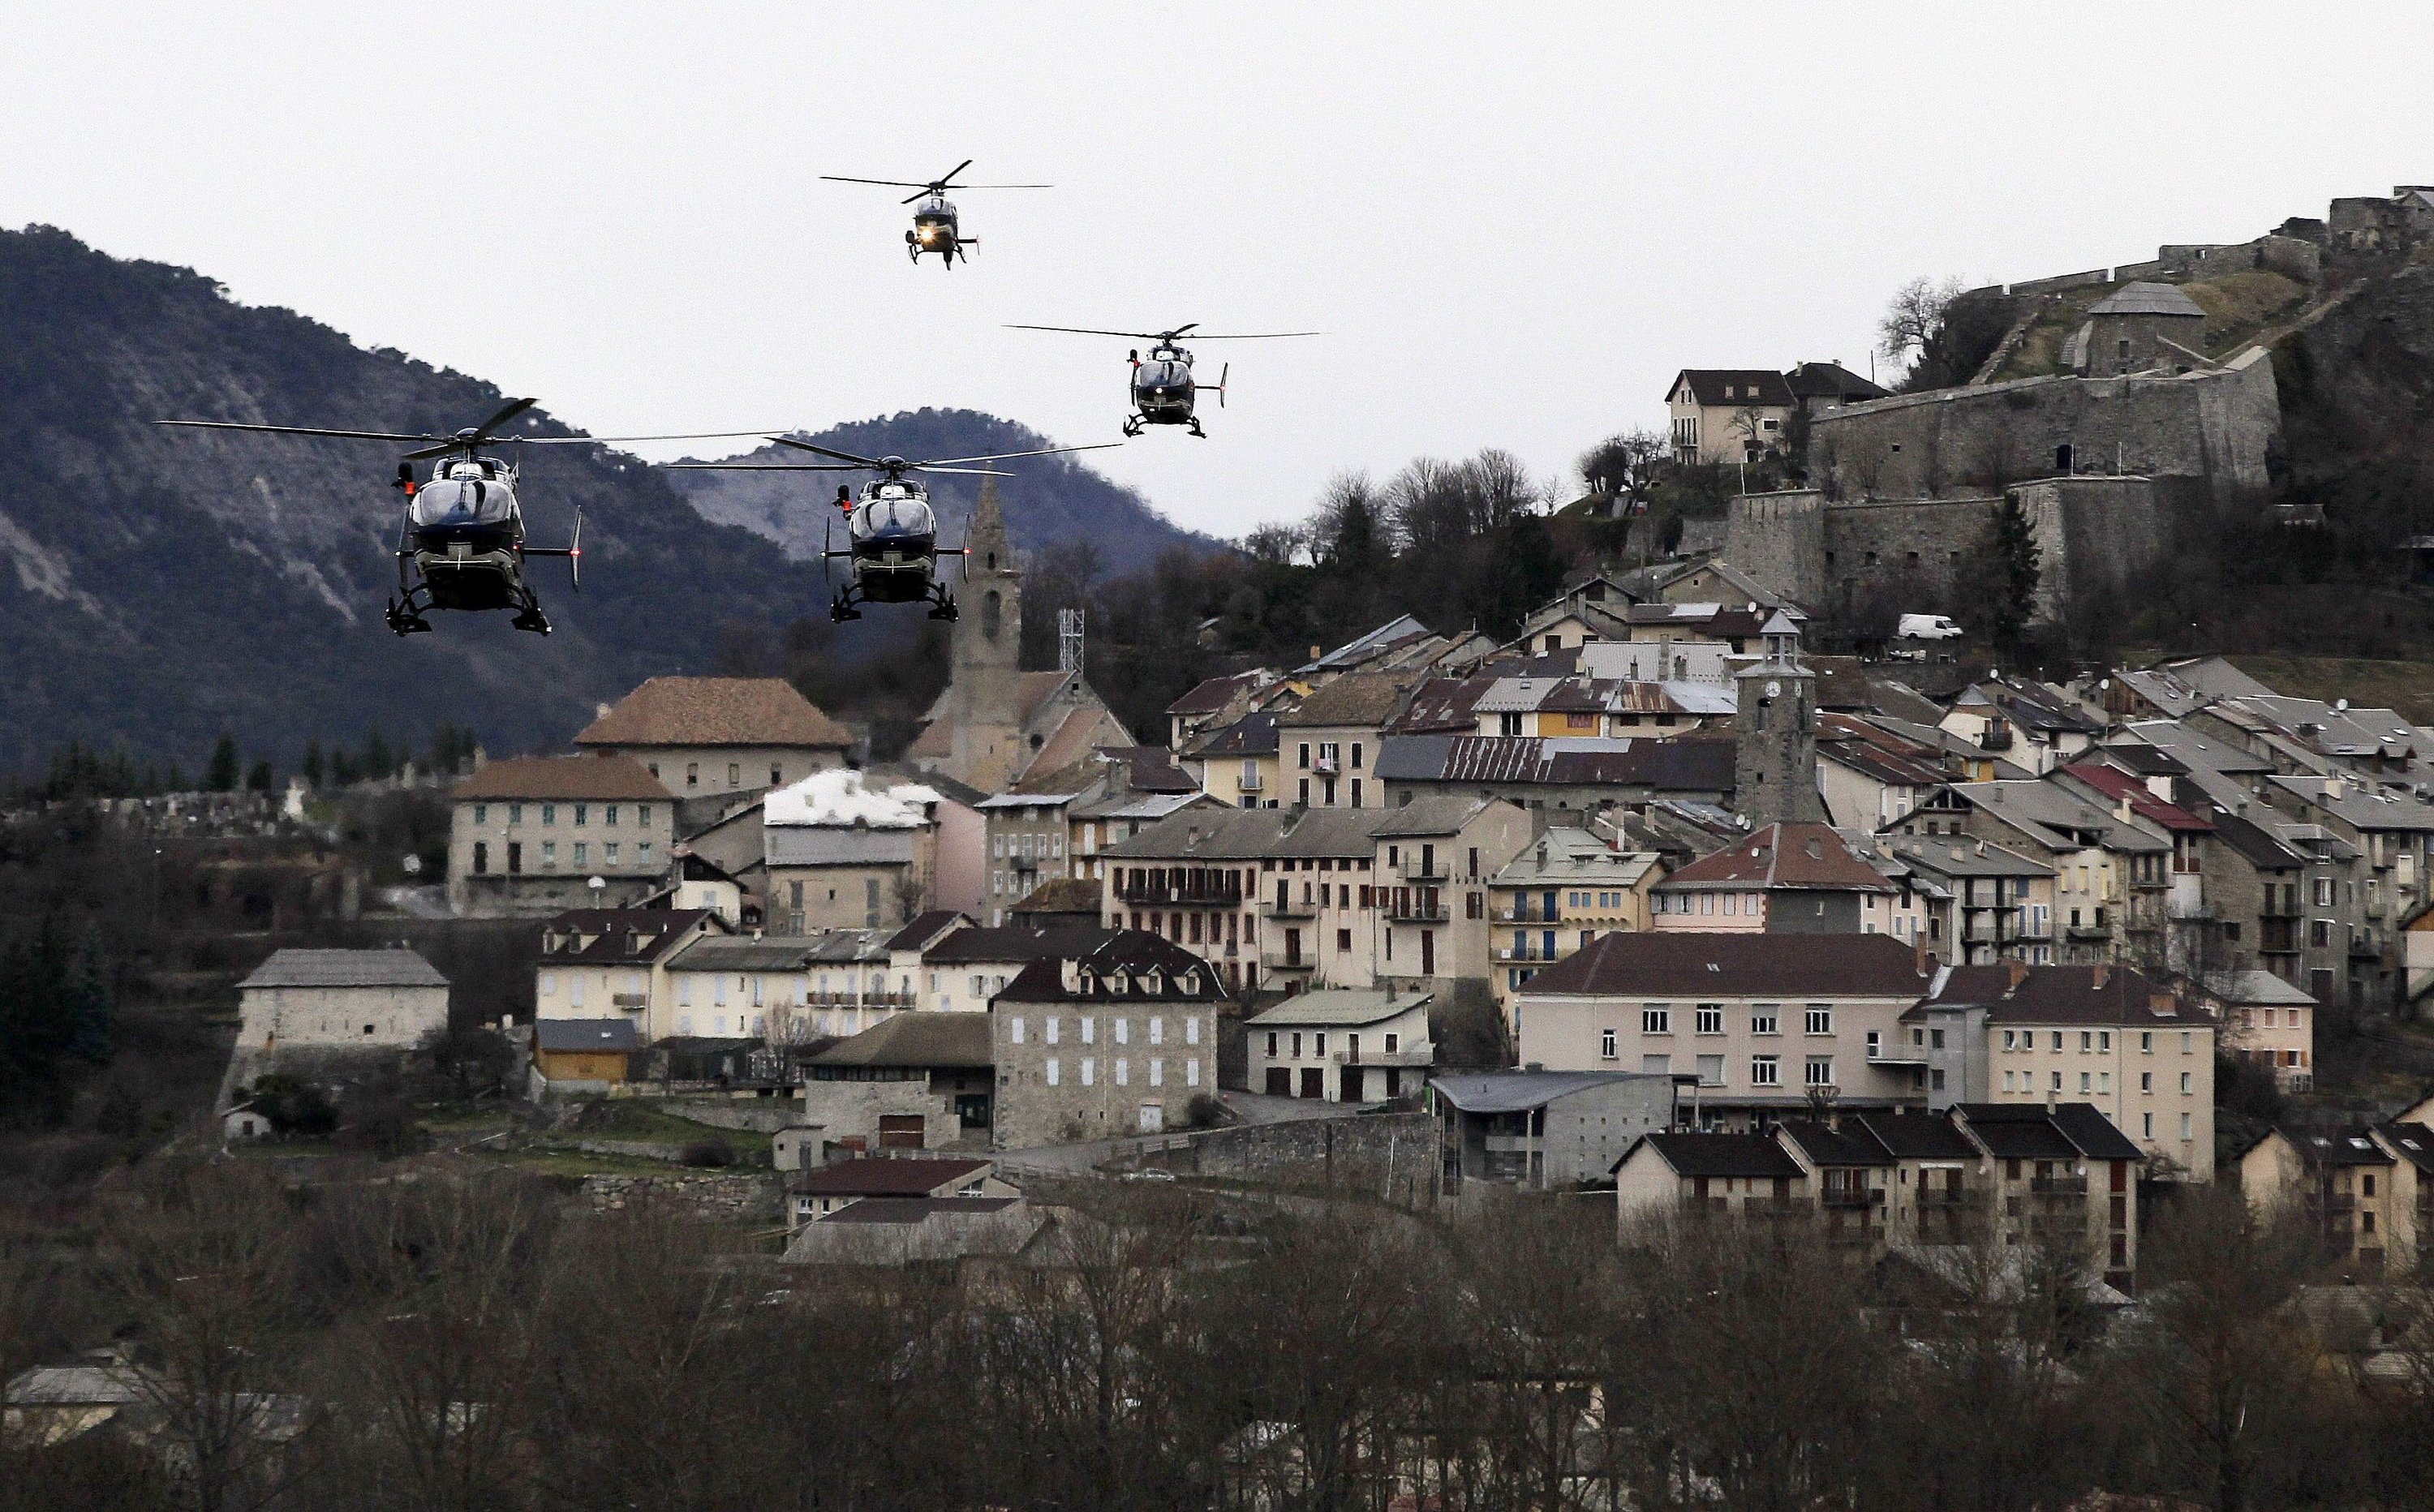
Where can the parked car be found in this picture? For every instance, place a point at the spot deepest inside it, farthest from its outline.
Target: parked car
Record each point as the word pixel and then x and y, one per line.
pixel 1928 627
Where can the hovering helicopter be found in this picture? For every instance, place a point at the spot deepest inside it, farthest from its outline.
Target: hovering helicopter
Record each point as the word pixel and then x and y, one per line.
pixel 1162 386
pixel 892 533
pixel 934 219
pixel 461 544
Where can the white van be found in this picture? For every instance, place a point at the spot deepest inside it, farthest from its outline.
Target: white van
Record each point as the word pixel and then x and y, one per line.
pixel 1927 627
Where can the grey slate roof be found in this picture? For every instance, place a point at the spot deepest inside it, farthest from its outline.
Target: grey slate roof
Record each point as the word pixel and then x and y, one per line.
pixel 1747 1155
pixel 917 1039
pixel 738 953
pixel 2145 298
pixel 1504 1092
pixel 344 968
pixel 1353 1005
pixel 585 1034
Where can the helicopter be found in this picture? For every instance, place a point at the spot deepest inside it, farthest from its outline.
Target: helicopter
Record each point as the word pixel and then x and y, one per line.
pixel 892 533
pixel 461 544
pixel 1162 386
pixel 934 219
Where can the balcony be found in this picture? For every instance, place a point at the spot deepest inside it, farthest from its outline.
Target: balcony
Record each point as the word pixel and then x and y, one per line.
pixel 2097 930
pixel 1164 893
pixel 1419 911
pixel 2058 1185
pixel 1416 868
pixel 859 1000
pixel 1409 1055
pixel 1527 953
pixel 2330 1203
pixel 1287 907
pixel 1881 1054
pixel 1996 738
pixel 1990 931
pixel 1524 914
pixel 2364 943
pixel 1851 1196
pixel 1949 1201
pixel 630 1002
pixel 1326 765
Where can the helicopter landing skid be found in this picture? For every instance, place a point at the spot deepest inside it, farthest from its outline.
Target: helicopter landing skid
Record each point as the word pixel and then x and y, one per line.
pixel 943 607
pixel 1132 425
pixel 405 616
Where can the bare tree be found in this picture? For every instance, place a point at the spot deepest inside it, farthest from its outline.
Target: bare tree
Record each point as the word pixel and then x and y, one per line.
pixel 1911 319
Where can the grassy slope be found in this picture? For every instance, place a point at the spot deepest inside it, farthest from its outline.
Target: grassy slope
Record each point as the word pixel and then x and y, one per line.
pixel 2404 685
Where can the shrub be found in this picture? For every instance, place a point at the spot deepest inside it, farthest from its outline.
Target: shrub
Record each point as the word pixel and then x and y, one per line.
pixel 710 1154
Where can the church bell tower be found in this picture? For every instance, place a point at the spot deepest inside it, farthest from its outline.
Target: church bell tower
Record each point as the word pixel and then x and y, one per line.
pixel 1775 733
pixel 986 656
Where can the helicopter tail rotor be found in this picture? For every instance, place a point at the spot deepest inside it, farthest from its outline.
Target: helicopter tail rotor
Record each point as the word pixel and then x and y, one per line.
pixel 575 551
pixel 1224 372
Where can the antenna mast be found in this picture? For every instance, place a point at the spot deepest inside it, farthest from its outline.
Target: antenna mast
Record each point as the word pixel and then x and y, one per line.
pixel 1068 640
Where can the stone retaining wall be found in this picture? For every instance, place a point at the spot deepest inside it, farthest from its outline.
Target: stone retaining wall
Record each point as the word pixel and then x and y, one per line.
pixel 738 1199
pixel 1392 1157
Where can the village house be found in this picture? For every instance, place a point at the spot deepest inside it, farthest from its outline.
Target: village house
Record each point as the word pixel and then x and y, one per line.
pixel 1115 1041
pixel 529 835
pixel 1310 1044
pixel 819 1193
pixel 2267 1022
pixel 2105 1035
pixel 584 1055
pixel 1727 414
pixel 1784 879
pixel 914 1081
pixel 2392 834
pixel 1567 888
pixel 960 970
pixel 1588 611
pixel 2027 723
pixel 1328 740
pixel 737 987
pixel 844 853
pixel 2344 1186
pixel 1236 764
pixel 345 999
pixel 1563 777
pixel 1217 703
pixel 613 962
pixel 1980 902
pixel 2111 868
pixel 1545 1131
pixel 1769 1023
pixel 702 734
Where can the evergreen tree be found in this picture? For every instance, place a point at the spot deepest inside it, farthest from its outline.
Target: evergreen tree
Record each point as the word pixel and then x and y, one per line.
pixel 379 761
pixel 220 776
pixel 36 1027
pixel 2012 572
pixel 90 1010
pixel 259 779
pixel 312 768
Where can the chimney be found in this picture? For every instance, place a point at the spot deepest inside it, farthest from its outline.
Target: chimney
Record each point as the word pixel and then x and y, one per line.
pixel 2103 974
pixel 2018 972
pixel 1316 652
pixel 1926 961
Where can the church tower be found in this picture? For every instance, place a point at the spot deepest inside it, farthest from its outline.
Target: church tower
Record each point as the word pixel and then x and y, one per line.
pixel 986 691
pixel 1776 739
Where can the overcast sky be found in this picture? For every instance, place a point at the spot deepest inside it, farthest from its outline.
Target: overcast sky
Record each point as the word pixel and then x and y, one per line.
pixel 1514 222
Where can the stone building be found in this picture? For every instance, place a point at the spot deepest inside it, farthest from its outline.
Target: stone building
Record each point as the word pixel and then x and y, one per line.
pixel 527 836
pixel 2138 327
pixel 1114 1042
pixel 995 722
pixel 1310 1045
pixel 354 999
pixel 846 852
pixel 1727 414
pixel 1775 768
pixel 705 735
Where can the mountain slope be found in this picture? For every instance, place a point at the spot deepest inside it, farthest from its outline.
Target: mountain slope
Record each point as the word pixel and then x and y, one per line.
pixel 1050 503
pixel 159 586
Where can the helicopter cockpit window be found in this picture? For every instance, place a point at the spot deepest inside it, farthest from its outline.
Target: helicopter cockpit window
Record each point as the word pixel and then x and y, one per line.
pixel 900 515
pixel 445 501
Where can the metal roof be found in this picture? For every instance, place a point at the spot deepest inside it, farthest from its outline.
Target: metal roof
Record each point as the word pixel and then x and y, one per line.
pixel 1505 1092
pixel 344 968
pixel 827 845
pixel 1353 1005
pixel 605 1034
pixel 2145 298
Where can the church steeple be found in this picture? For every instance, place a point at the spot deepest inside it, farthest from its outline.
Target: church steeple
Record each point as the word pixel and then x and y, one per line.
pixel 1775 733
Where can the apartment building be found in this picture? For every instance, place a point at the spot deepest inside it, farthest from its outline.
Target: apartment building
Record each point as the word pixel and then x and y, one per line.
pixel 2266 1021
pixel 1237 763
pixel 527 836
pixel 1312 1044
pixel 1783 879
pixel 2111 869
pixel 1328 741
pixel 845 851
pixel 1975 1174
pixel 2105 1035
pixel 1567 888
pixel 1320 897
pixel 1545 1131
pixel 1973 902
pixel 1116 1041
pixel 2391 833
pixel 597 963
pixel 1770 1024
pixel 2363 1193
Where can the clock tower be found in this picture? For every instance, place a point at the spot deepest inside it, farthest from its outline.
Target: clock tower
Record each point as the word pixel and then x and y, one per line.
pixel 1775 733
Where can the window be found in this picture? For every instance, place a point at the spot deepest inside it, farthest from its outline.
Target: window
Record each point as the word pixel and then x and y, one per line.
pixel 2057 1082
pixel 2188 1128
pixel 1762 1017
pixel 582 813
pixel 735 774
pixel 481 856
pixel 1089 1029
pixel 2086 1084
pixel 582 852
pixel 1054 1024
pixel 549 814
pixel 1711 1018
pixel 1014 1029
pixel 549 852
pixel 2146 1126
pixel 481 813
pixel 1304 753
pixel 2146 1043
pixel 1712 1070
pixel 1766 1070
pixel 1818 1019
pixel 1272 1045
pixel 643 812
pixel 2086 1041
pixel 1191 1072
pixel 1606 1045
pixel 2007 1080
pixel 1123 1031
pixel 1819 1071
pixel 642 854
pixel 1657 1018
pixel 515 813
pixel 1090 1069
pixel 2186 1087
pixel 1051 1065
pixel 1191 1031
pixel 610 850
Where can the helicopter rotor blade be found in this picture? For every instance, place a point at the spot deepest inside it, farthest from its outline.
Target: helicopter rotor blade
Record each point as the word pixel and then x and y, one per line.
pixel 764 467
pixel 1088 331
pixel 297 429
pixel 513 408
pixel 960 188
pixel 443 448
pixel 607 440
pixel 973 472
pixel 948 177
pixel 1008 457
pixel 1258 335
pixel 827 451
pixel 888 183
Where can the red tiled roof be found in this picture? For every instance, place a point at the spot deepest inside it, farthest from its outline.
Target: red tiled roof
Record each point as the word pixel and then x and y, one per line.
pixel 2117 785
pixel 886 1178
pixel 1784 856
pixel 716 711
